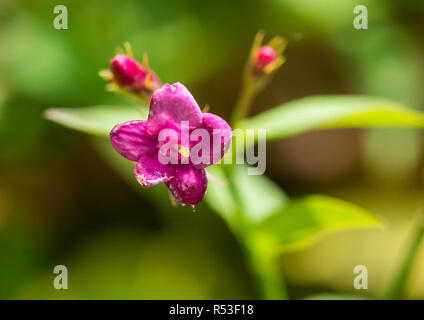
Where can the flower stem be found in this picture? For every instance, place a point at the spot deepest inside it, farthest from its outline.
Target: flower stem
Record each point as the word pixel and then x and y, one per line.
pixel 269 279
pixel 260 256
pixel 244 101
pixel 396 289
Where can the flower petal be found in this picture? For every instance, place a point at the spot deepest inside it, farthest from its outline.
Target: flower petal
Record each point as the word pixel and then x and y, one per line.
pixel 131 140
pixel 126 71
pixel 170 105
pixel 220 131
pixel 149 171
pixel 189 185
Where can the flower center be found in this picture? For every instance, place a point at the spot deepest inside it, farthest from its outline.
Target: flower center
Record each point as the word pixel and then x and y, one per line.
pixel 183 150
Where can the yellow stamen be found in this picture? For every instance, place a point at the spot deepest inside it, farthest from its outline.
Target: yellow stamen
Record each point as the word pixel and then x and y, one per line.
pixel 184 151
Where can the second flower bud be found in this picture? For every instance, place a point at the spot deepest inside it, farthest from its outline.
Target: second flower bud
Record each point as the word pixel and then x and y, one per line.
pixel 126 74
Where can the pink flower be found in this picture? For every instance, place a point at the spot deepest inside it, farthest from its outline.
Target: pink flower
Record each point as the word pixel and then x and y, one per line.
pixel 140 141
pixel 132 76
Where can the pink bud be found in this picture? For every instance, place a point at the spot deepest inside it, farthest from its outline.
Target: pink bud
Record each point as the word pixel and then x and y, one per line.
pixel 264 56
pixel 125 70
pixel 133 76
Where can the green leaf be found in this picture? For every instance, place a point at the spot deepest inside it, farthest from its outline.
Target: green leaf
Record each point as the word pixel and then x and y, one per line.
pixel 96 120
pixel 258 196
pixel 325 112
pixel 254 196
pixel 303 221
pixel 219 195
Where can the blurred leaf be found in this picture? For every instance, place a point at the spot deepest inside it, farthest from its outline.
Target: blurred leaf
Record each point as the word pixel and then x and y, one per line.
pixel 258 196
pixel 255 196
pixel 218 194
pixel 96 120
pixel 39 61
pixel 302 221
pixel 396 72
pixel 179 48
pixel 21 128
pixel 335 296
pixel 380 69
pixel 335 19
pixel 325 112
pixel 3 97
pixel 23 255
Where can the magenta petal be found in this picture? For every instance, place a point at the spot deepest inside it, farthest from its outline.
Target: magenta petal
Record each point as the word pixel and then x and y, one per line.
pixel 126 71
pixel 149 171
pixel 131 140
pixel 219 130
pixel 189 185
pixel 170 105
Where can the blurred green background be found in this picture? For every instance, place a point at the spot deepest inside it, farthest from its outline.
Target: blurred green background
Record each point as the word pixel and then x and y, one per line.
pixel 62 203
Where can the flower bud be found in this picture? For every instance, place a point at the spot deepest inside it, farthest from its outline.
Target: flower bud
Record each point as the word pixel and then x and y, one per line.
pixel 264 56
pixel 127 74
pixel 266 59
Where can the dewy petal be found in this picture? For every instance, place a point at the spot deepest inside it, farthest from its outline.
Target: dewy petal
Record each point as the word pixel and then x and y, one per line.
pixel 131 140
pixel 189 185
pixel 149 171
pixel 169 106
pixel 220 131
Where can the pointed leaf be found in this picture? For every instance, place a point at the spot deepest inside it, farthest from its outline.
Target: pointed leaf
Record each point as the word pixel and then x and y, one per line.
pixel 218 194
pixel 96 120
pixel 302 221
pixel 258 196
pixel 324 112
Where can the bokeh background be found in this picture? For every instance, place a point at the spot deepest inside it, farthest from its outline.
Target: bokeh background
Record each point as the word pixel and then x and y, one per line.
pixel 62 202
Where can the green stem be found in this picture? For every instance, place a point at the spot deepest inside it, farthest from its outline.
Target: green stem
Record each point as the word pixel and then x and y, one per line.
pixel 268 276
pixel 260 256
pixel 396 289
pixel 244 102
